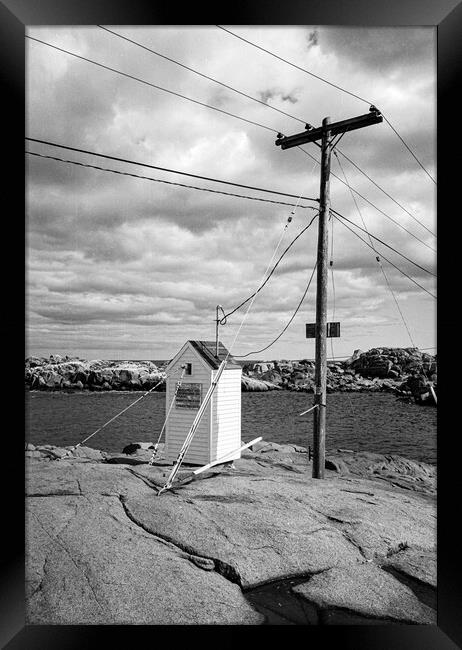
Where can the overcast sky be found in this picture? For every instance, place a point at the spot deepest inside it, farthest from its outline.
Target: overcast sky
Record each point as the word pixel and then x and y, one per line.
pixel 121 268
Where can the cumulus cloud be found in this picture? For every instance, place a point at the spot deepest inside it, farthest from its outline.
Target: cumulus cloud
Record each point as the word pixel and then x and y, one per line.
pixel 380 49
pixel 272 93
pixel 120 266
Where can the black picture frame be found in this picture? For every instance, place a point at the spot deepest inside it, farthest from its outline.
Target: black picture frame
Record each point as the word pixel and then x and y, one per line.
pixel 446 16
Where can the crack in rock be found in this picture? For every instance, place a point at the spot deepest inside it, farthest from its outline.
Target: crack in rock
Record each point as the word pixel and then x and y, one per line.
pixel 351 522
pixel 144 479
pixel 369 494
pixel 42 579
pixel 355 543
pixel 37 495
pixel 226 570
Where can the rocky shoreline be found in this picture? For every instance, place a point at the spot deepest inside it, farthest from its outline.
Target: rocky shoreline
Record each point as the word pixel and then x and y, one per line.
pixel 403 371
pixel 253 542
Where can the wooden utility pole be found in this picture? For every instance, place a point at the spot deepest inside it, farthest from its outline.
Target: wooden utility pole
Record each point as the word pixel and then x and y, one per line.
pixel 320 373
pixel 326 133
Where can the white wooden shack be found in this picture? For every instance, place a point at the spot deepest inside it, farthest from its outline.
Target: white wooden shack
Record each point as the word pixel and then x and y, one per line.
pixel 219 431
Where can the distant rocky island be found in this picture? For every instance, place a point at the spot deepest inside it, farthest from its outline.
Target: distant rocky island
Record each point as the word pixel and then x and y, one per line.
pixel 399 370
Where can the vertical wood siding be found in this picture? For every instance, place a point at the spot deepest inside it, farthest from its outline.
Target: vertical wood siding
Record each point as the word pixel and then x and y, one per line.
pixel 226 415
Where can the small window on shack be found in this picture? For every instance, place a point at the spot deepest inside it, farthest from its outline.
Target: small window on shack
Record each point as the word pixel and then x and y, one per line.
pixel 188 370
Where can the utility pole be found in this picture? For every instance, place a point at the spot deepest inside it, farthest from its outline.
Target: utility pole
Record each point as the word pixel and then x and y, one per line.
pixel 320 373
pixel 326 133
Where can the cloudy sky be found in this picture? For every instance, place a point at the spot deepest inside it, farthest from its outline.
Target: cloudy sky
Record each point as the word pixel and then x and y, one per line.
pixel 121 267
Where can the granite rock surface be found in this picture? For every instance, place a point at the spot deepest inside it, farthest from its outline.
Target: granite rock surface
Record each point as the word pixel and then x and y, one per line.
pixel 104 548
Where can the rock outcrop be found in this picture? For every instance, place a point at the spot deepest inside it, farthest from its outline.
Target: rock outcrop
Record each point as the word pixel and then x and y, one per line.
pixel 379 369
pixel 70 374
pixel 103 548
pixel 253 384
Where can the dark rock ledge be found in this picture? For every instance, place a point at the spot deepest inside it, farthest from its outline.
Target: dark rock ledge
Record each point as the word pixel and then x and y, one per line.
pixel 103 548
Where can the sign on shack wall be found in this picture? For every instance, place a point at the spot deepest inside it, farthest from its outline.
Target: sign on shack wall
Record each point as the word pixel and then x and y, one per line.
pixel 189 396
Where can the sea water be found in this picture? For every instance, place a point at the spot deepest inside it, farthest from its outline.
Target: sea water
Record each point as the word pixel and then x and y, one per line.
pixel 376 422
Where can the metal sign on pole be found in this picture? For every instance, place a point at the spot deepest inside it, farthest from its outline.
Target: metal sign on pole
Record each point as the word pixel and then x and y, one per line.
pixel 332 330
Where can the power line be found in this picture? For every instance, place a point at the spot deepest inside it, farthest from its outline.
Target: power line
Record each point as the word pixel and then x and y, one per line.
pixel 385 192
pixel 215 180
pixel 157 180
pixel 148 83
pixel 242 356
pixel 213 108
pixel 225 316
pixel 201 74
pixel 239 92
pixel 239 196
pixel 377 258
pixel 348 92
pixel 408 148
pixel 372 204
pixel 382 242
pixel 385 258
pixel 184 185
pixel 293 64
pixel 166 169
pixel 331 264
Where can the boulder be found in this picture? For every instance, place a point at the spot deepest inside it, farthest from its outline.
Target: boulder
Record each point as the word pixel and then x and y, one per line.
pixel 134 446
pixel 252 384
pixel 53 380
pixel 33 453
pixel 123 375
pixel 34 362
pixel 283 366
pixel 354 357
pixel 101 376
pixel 260 368
pixel 80 376
pixel 37 383
pixel 272 376
pixel 88 453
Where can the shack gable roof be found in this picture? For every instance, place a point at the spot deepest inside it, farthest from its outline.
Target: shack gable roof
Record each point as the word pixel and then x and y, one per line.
pixel 206 351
